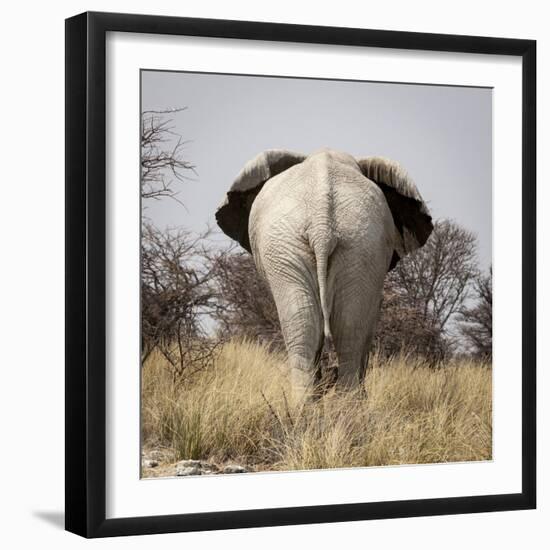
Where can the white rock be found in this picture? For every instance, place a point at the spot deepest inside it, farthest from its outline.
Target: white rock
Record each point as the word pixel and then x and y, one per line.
pixel 234 469
pixel 188 471
pixel 150 463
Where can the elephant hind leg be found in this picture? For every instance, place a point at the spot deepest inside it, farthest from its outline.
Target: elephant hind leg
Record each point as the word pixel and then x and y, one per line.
pixel 290 272
pixel 302 325
pixel 354 318
pixel 353 343
pixel 352 367
pixel 304 354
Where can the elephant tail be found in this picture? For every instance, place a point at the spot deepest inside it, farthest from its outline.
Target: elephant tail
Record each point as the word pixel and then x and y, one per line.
pixel 322 253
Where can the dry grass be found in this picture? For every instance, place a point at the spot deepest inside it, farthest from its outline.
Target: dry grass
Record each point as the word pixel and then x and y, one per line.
pixel 237 410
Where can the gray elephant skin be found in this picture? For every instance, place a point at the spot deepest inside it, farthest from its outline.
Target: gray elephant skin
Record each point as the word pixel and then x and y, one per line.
pixel 324 230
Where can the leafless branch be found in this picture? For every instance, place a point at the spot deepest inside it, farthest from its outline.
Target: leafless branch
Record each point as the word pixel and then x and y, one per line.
pixel 426 291
pixel 178 295
pixel 163 162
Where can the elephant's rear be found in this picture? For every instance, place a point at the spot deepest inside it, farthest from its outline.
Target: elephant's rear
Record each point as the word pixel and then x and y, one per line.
pixel 323 223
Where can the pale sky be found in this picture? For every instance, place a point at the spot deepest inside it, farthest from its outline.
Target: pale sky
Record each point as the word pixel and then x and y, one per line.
pixel 441 135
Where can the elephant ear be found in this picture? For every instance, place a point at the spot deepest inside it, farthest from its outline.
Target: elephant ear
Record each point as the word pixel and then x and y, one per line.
pixel 410 213
pixel 232 215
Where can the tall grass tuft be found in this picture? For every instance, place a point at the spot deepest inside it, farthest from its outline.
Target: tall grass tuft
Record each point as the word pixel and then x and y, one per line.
pixel 238 409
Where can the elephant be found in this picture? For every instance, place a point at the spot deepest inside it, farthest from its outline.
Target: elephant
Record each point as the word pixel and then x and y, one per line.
pixel 324 229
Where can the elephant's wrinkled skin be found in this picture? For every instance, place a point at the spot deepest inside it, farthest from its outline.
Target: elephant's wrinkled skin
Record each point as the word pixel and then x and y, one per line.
pixel 324 230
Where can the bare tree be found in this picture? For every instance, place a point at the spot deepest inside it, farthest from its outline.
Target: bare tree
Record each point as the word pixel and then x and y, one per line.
pixel 162 160
pixel 177 293
pixel 477 322
pixel 436 280
pixel 177 296
pixel 402 327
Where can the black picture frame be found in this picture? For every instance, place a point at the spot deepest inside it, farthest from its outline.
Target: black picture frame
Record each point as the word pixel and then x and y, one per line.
pixel 86 273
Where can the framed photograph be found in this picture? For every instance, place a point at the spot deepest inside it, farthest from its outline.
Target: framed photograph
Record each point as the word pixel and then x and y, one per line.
pixel 300 274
